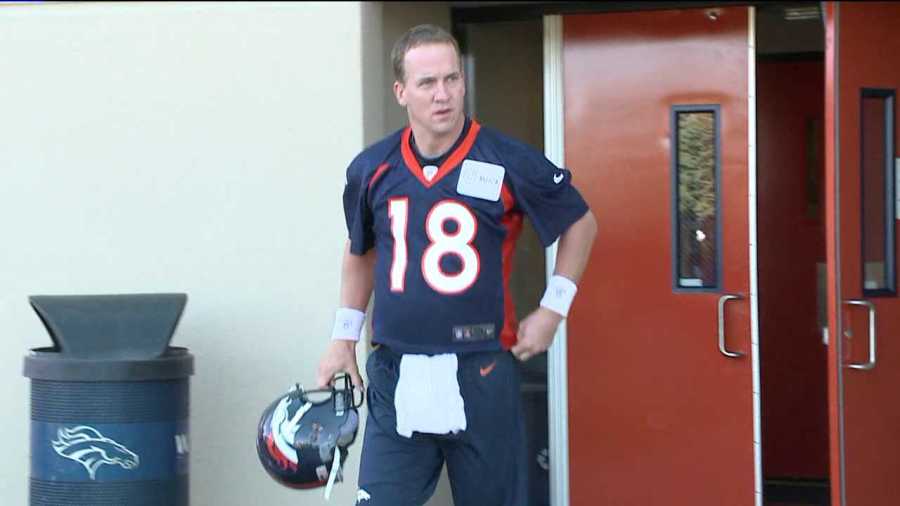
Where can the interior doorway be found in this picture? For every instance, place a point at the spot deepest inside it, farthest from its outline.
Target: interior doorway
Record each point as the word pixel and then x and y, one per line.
pixel 790 77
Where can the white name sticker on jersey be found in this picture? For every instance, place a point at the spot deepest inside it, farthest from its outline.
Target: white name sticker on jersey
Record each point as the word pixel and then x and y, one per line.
pixel 480 180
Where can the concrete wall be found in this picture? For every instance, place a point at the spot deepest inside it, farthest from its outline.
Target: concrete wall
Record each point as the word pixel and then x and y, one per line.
pixel 188 147
pixel 375 66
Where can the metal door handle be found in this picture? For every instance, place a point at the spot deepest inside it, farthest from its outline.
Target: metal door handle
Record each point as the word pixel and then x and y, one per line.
pixel 868 366
pixel 722 301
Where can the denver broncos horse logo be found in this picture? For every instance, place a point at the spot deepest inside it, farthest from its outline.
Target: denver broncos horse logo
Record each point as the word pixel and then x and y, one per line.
pixel 91 449
pixel 281 432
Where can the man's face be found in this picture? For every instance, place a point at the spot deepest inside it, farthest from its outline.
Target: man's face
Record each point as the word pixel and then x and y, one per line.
pixel 433 91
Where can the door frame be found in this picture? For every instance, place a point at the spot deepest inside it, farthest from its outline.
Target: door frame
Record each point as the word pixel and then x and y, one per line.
pixel 557 356
pixel 833 176
pixel 754 264
pixel 554 147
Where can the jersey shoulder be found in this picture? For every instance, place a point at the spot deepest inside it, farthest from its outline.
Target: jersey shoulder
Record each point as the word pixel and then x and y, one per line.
pixel 370 158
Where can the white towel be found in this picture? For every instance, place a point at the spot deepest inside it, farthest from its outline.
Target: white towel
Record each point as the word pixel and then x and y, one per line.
pixel 427 399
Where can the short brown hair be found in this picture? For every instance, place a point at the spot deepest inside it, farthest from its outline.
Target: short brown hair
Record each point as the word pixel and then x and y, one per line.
pixel 414 37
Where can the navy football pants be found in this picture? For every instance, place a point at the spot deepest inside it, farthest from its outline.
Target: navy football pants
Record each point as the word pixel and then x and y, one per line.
pixel 485 463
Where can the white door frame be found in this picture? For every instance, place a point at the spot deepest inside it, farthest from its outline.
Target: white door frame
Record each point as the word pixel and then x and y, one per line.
pixel 557 369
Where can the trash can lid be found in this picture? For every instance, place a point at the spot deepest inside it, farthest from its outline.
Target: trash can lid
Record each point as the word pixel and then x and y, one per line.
pixel 110 327
pixel 47 364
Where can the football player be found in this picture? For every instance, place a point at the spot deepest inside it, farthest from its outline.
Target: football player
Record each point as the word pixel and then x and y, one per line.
pixel 433 212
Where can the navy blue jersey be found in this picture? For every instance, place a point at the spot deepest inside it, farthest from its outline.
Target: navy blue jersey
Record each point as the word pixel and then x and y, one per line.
pixel 444 245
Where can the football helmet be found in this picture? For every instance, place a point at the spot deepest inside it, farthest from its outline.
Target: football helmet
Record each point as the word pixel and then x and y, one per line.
pixel 302 437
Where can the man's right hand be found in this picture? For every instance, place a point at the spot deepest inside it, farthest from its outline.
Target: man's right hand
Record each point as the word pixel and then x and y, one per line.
pixel 340 357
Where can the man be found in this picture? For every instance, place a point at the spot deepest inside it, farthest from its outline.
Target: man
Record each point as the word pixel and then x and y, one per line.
pixel 433 212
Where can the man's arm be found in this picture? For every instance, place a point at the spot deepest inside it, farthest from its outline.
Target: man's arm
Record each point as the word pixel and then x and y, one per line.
pixel 357 280
pixel 536 331
pixel 575 247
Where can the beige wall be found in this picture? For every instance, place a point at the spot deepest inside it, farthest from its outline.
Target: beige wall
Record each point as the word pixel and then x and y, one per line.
pixel 197 148
pixel 374 68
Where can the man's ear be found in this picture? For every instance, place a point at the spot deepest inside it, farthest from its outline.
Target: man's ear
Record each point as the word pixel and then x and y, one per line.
pixel 400 93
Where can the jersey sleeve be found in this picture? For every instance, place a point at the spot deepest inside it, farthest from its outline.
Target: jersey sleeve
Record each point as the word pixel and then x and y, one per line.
pixel 544 192
pixel 357 213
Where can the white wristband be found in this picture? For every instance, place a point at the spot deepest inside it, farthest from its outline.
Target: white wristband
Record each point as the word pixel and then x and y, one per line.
pixel 348 324
pixel 559 294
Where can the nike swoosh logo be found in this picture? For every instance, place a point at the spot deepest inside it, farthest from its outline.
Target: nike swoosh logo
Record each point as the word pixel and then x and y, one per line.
pixel 557 178
pixel 488 368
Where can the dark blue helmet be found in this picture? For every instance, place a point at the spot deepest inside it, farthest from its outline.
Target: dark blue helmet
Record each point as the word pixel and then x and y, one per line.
pixel 303 436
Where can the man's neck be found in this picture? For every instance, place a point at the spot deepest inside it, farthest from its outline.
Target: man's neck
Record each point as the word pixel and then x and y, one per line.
pixel 432 147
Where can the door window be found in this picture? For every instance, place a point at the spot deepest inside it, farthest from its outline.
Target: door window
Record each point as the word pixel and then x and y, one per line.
pixel 696 186
pixel 877 173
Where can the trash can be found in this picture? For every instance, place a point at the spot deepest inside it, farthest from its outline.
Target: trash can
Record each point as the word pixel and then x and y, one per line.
pixel 109 402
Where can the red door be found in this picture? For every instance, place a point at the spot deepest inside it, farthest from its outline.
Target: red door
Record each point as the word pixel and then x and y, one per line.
pixel 862 79
pixel 656 131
